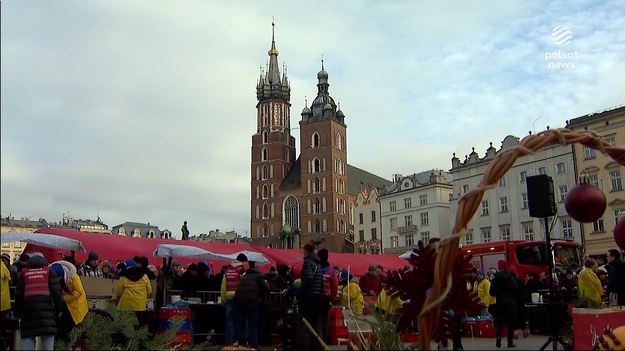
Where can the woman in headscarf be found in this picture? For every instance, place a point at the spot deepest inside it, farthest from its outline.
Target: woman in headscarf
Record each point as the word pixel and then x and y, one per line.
pixel 76 307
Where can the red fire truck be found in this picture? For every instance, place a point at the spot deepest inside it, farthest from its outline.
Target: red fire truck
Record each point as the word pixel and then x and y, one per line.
pixel 527 256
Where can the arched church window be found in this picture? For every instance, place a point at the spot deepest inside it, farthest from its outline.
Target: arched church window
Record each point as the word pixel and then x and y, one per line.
pixel 265 211
pixel 315 140
pixel 263 154
pixel 265 191
pixel 291 212
pixel 316 185
pixel 265 172
pixel 339 141
pixel 265 137
pixel 316 165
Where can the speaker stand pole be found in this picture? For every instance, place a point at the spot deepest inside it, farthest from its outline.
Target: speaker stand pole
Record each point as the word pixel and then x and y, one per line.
pixel 553 338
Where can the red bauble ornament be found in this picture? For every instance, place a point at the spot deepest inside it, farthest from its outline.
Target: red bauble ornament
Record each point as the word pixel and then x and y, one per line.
pixel 619 233
pixel 585 203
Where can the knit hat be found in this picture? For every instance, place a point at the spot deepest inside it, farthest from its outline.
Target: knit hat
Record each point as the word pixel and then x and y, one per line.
pixel 6 257
pixel 130 263
pixel 105 263
pixel 512 269
pixel 93 256
pixel 344 273
pixel 58 269
pixel 502 265
pixel 273 271
pixel 241 257
pixel 203 264
pixel 480 272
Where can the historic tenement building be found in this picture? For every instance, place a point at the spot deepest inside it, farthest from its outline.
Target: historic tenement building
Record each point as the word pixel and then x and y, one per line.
pixel 603 172
pixel 9 224
pixel 300 199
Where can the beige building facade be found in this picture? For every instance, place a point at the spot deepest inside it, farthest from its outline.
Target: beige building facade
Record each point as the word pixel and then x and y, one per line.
pixel 604 173
pixel 9 224
pixel 367 221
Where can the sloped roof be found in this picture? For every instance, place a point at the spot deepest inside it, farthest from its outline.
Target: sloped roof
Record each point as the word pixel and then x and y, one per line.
pixel 357 176
pixel 293 180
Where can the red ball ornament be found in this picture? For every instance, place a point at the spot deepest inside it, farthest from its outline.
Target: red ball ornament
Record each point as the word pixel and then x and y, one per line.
pixel 585 202
pixel 619 233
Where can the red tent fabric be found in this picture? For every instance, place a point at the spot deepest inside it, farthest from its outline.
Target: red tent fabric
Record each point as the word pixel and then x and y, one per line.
pixel 358 263
pixel 116 248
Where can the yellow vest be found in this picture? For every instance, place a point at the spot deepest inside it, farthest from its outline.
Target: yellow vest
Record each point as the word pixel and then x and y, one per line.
pixel 5 299
pixel 133 294
pixel 76 300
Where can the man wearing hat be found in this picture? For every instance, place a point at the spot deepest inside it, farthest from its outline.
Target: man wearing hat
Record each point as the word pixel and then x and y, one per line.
pixel 370 283
pixel 90 267
pixel 229 285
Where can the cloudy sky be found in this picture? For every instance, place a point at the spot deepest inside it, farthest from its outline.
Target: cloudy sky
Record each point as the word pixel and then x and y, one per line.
pixel 143 111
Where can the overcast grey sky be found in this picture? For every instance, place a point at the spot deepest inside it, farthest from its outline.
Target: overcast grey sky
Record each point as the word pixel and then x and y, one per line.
pixel 144 110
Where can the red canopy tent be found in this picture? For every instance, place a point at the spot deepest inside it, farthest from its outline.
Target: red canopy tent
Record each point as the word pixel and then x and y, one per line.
pixel 358 263
pixel 116 248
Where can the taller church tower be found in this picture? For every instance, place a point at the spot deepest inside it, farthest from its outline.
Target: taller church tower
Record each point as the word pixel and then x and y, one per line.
pixel 273 147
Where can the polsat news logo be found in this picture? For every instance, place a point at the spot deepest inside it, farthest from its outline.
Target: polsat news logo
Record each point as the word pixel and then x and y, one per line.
pixel 561 36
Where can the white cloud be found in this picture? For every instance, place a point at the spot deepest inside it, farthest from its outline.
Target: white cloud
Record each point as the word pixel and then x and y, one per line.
pixel 144 112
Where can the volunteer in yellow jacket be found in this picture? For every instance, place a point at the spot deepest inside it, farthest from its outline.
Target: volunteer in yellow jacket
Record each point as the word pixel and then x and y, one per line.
pixel 76 307
pixel 589 284
pixel 351 295
pixel 133 288
pixel 482 288
pixel 387 304
pixel 5 277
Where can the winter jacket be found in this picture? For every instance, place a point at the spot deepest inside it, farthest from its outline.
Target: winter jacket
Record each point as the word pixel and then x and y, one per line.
pixel 589 286
pixel 133 290
pixel 370 282
pixel 74 293
pixel 251 287
pixel 356 299
pixel 616 280
pixel 38 311
pixel 227 283
pixel 89 271
pixel 312 278
pixel 482 288
pixel 505 289
pixel 5 277
pixel 387 303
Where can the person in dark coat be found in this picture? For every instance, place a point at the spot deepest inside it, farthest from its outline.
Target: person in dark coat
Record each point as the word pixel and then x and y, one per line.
pixel 532 285
pixel 38 303
pixel 505 289
pixel 311 298
pixel 251 288
pixel 616 277
pixel 520 303
pixel 275 281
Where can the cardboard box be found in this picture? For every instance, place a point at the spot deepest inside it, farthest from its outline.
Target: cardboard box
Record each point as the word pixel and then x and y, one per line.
pixel 103 288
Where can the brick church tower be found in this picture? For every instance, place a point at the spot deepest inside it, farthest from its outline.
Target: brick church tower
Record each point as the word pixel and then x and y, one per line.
pixel 296 201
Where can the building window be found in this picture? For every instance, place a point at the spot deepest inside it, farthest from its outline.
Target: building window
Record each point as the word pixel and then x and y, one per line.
pixel 528 231
pixel 263 154
pixel 589 153
pixel 425 237
pixel 265 172
pixel 504 232
pixel 524 200
pixel 339 141
pixel 314 143
pixel 597 226
pixel 561 168
pixel 407 202
pixel 361 235
pixel 407 221
pixel 410 240
pixel 615 179
pixel 374 233
pixel 465 188
pixel 594 179
pixel 486 235
pixel 567 228
pixel 315 165
pixel 265 211
pixel 503 204
pixel 393 223
pixel 394 242
pixel 610 140
pixel 291 212
pixel 564 190
pixel 316 206
pixel 425 220
pixel 392 206
pixel 522 176
pixel 361 218
pixel 373 216
pixel 616 215
pixel 502 182
pixel 6 245
pixel 485 208
pixel 542 170
pixel 468 238
pixel 423 199
pixel 265 191
pixel 265 137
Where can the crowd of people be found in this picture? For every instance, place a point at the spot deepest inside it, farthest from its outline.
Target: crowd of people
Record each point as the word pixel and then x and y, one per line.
pixel 50 298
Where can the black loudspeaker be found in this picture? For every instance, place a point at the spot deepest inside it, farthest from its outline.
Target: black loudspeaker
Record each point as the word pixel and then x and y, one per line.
pixel 541 196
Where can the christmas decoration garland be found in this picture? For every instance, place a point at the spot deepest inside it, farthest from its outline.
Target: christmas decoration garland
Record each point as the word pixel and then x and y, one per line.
pixel 447 254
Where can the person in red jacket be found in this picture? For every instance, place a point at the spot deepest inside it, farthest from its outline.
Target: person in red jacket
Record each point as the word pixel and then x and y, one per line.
pixel 370 282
